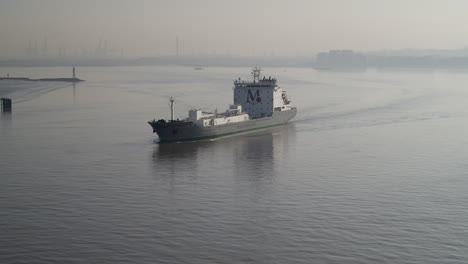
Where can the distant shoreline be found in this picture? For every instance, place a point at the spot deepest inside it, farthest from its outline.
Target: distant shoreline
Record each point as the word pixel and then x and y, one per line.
pixel 43 79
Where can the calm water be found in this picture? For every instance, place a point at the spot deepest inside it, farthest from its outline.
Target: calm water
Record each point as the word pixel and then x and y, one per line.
pixel 373 170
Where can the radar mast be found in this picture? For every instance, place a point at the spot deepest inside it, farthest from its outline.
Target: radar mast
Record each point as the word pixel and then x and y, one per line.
pixel 256 74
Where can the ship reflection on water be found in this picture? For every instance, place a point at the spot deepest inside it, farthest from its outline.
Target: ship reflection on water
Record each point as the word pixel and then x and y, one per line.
pixel 250 154
pixel 6 119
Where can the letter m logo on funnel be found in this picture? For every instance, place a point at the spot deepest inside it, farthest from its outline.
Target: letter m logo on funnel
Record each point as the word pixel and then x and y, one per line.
pixel 251 98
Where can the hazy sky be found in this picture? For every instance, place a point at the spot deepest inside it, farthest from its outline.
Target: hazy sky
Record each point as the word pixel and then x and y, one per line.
pixel 246 27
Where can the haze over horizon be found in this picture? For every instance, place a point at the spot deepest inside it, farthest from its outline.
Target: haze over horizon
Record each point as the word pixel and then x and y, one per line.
pixel 149 28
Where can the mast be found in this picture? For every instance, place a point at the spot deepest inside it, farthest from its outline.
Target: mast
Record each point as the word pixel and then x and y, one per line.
pixel 256 74
pixel 172 108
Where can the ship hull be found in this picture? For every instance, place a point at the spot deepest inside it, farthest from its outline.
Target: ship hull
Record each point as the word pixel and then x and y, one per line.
pixel 187 131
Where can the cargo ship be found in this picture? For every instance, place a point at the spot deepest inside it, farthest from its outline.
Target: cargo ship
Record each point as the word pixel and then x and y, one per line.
pixel 258 104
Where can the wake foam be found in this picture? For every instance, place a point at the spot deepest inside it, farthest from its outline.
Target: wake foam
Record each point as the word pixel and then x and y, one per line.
pixel 22 91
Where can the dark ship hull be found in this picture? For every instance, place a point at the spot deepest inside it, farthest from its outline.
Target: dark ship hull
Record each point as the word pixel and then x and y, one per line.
pixel 174 131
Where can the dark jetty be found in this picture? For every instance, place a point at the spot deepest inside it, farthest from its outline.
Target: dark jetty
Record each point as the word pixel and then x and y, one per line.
pixel 43 79
pixel 72 80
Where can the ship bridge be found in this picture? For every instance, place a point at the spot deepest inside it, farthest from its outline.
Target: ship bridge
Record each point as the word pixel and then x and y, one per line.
pixel 259 97
pixel 265 82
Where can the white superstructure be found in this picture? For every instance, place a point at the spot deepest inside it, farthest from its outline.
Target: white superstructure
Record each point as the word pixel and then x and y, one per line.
pixel 252 99
pixel 206 119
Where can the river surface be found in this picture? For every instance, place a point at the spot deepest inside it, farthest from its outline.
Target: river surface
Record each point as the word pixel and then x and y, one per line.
pixel 373 169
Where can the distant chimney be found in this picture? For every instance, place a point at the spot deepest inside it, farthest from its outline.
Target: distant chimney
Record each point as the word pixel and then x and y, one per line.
pixel 177 46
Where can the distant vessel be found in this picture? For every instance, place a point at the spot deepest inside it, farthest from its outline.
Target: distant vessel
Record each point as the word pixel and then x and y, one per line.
pixel 258 104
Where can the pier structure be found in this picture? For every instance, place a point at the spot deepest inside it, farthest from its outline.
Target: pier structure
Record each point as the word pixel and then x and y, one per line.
pixel 6 104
